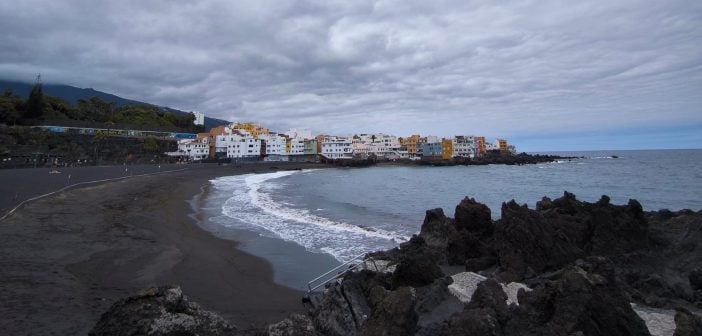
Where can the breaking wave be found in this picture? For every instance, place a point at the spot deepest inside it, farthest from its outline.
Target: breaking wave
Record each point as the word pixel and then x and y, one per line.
pixel 253 206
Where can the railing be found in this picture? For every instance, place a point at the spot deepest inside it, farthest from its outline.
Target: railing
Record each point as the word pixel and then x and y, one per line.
pixel 326 278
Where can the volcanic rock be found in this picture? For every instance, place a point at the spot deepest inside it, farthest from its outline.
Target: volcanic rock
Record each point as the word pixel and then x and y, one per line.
pixel 687 324
pixel 584 300
pixel 695 278
pixel 395 315
pixel 160 311
pixel 474 217
pixel 293 325
pixel 417 265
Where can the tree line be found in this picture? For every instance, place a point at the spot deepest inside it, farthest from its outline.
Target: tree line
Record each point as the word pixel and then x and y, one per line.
pixel 39 108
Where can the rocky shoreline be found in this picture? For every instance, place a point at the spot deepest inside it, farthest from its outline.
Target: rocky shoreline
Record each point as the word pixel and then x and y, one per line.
pixel 565 268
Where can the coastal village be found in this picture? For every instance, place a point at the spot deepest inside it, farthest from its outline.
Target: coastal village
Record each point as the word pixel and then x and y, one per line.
pixel 251 141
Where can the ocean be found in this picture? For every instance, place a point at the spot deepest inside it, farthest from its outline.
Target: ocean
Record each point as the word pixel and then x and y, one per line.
pixel 305 222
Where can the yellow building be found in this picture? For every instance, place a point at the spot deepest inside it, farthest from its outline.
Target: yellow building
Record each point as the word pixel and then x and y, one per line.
pixel 502 145
pixel 412 144
pixel 254 129
pixel 446 149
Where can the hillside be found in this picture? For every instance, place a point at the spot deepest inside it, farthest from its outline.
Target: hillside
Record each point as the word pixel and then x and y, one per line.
pixel 72 94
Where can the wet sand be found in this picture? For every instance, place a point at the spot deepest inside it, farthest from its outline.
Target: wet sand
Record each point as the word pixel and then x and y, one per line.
pixel 66 258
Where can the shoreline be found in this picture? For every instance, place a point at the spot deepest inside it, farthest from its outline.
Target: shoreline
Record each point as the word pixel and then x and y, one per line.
pixel 69 256
pixel 293 264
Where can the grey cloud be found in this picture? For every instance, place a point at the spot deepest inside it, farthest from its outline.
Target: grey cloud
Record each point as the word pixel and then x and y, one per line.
pixel 442 67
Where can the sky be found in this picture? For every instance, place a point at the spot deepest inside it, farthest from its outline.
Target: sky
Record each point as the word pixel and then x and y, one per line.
pixel 546 75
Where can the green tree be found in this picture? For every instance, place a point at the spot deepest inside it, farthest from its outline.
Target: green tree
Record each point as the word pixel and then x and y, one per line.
pixel 150 145
pixel 35 102
pixel 57 108
pixel 10 108
pixel 95 109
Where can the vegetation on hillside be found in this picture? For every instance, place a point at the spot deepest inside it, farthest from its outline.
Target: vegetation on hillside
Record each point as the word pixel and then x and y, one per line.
pixel 40 108
pixel 25 147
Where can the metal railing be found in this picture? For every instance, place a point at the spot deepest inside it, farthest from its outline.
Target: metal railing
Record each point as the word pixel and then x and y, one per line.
pixel 328 276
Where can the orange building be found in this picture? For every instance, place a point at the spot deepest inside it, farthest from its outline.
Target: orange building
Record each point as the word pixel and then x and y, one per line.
pixel 411 143
pixel 446 149
pixel 320 139
pixel 480 145
pixel 211 138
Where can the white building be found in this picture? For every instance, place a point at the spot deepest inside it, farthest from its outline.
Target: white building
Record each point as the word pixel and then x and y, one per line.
pixel 432 139
pixel 463 146
pixel 192 149
pixel 199 118
pixel 274 142
pixel 304 133
pixel 295 146
pixel 237 144
pixel 379 145
pixel 337 147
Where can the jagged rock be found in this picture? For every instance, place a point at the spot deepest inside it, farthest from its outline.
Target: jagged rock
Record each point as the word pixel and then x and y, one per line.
pixel 560 231
pixel 332 315
pixel 435 304
pixel 346 306
pixel 687 324
pixel 529 242
pixel 489 294
pixel 395 315
pixel 417 265
pixel 435 229
pixel 618 229
pixel 479 321
pixel 585 299
pixel 474 217
pixel 293 325
pixel 695 279
pixel 160 311
pixel 464 245
pixel 583 264
pixel 480 263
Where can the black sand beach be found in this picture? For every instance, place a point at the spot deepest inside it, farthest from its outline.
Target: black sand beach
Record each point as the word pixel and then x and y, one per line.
pixel 66 258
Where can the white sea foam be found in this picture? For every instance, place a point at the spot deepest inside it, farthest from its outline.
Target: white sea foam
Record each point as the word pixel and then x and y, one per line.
pixel 254 207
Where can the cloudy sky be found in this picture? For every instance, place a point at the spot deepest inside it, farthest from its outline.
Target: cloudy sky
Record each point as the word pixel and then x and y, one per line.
pixel 547 75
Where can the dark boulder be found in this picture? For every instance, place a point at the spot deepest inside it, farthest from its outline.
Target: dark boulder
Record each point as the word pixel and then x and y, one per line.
pixel 394 315
pixel 477 321
pixel 489 294
pixel 345 307
pixel 530 242
pixel 436 229
pixel 417 265
pixel 474 217
pixel 584 300
pixel 293 325
pixel 618 229
pixel 695 279
pixel 160 311
pixel 435 304
pixel 687 324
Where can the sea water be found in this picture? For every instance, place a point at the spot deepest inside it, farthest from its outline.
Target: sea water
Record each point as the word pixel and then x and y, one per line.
pixel 307 221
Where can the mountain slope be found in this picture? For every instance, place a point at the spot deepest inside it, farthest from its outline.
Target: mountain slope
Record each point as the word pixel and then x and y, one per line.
pixel 72 94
